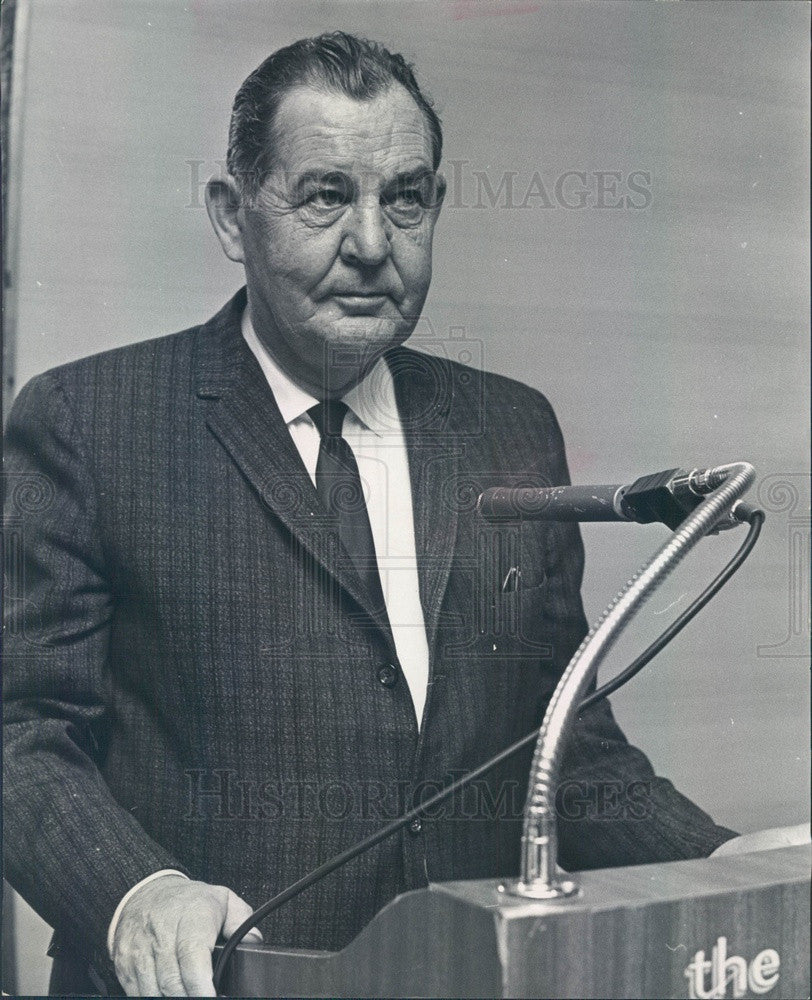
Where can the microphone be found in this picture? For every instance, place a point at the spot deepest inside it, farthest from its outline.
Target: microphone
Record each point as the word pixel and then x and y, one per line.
pixel 554 503
pixel 667 496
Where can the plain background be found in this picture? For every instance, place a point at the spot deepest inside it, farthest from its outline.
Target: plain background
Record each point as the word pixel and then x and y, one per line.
pixel 665 335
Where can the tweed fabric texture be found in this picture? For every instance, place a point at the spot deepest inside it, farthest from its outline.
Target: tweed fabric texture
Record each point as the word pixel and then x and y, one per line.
pixel 191 677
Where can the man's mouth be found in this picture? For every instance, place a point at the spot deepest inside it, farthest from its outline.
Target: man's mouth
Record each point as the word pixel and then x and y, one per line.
pixel 361 302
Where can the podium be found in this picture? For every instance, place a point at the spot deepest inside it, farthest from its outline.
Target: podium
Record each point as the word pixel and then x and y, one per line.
pixel 735 926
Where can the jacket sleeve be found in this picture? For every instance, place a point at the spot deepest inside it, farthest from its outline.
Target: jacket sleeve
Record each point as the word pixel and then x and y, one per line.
pixel 612 809
pixel 70 849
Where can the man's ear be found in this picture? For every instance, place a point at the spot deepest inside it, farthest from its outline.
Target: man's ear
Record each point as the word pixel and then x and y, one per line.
pixel 224 206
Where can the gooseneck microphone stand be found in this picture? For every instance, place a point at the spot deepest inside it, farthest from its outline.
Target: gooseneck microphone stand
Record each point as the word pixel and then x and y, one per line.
pixel 538 878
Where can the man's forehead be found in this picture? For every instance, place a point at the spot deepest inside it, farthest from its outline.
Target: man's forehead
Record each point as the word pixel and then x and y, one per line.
pixel 316 129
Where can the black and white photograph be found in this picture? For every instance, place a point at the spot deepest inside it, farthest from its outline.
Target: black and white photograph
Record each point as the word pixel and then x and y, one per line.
pixel 406 472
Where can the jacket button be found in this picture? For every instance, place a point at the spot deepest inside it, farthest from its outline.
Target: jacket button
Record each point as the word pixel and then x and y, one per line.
pixel 415 827
pixel 388 675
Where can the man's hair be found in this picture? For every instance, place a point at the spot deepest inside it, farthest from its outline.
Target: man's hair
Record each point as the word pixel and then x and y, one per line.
pixel 335 61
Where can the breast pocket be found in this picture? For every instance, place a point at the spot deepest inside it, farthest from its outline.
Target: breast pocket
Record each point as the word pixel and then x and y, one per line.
pixel 519 616
pixel 532 628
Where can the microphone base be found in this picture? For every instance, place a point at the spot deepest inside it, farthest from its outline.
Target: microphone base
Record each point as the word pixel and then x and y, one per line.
pixel 540 889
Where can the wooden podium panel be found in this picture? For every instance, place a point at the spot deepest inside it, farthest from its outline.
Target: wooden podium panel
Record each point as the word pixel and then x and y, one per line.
pixel 734 926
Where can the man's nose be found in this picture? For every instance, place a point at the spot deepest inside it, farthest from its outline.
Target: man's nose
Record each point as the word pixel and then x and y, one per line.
pixel 366 235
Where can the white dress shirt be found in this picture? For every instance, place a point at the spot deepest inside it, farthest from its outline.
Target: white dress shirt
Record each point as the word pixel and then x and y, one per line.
pixel 373 430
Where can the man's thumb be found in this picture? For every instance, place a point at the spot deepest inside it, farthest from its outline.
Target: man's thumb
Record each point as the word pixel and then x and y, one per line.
pixel 237 911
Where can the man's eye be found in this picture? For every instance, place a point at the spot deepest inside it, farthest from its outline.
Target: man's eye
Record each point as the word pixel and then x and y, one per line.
pixel 408 198
pixel 408 202
pixel 406 206
pixel 328 197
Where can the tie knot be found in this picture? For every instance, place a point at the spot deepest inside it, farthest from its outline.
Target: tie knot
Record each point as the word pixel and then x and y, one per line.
pixel 329 417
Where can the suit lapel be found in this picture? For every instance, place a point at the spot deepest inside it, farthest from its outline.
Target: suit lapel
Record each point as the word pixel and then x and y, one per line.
pixel 424 392
pixel 245 419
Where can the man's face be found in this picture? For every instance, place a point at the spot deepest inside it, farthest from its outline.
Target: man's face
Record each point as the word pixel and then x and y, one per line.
pixel 337 243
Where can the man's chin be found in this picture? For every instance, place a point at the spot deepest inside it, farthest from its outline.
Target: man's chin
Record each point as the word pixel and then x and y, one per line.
pixel 354 344
pixel 372 333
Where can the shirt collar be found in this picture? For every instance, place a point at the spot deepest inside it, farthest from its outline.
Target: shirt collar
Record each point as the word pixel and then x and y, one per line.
pixel 372 400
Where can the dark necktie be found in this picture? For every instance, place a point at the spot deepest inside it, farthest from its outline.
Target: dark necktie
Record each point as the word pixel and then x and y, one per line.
pixel 339 487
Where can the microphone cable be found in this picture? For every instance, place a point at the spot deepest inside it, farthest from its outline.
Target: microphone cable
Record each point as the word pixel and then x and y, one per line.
pixel 754 517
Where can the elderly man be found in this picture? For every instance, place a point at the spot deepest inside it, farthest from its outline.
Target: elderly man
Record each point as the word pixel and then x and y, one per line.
pixel 259 614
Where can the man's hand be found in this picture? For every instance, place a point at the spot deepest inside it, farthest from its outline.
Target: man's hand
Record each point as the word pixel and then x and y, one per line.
pixel 765 840
pixel 166 933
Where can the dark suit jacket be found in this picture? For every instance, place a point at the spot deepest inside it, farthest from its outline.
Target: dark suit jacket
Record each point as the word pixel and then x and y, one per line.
pixel 193 680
